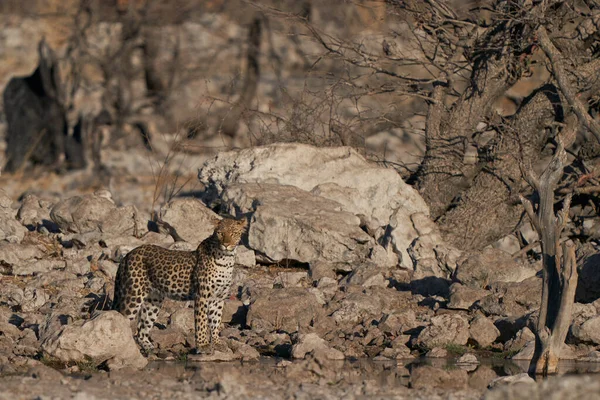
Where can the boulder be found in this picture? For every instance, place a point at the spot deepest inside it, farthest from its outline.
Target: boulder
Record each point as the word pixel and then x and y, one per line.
pixel 492 266
pixel 527 352
pixel 377 194
pixel 11 230
pixel 437 352
pixel 291 224
pixel 367 275
pixel 513 299
pixel 588 282
pixel 188 219
pixel 355 307
pixel 483 332
pixel 290 310
pixel 96 213
pixel 35 211
pixel 463 297
pixel 588 332
pixel 105 337
pixel 430 255
pixel 444 329
pixel 312 343
pixel 398 322
pixel 519 341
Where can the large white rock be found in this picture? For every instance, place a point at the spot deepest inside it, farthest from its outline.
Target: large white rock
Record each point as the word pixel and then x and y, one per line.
pixel 377 194
pixel 105 337
pixel 188 219
pixel 291 224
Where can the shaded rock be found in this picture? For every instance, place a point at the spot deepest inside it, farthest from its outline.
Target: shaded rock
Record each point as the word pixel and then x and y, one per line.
pixel 491 266
pixel 427 377
pixel 35 211
pixel 526 353
pixel 444 329
pixel 588 282
pixel 11 230
pixel 463 297
pixel 296 310
pixel 522 337
pixel 482 331
pixel 188 219
pixel 312 343
pixel 336 173
pixel 291 224
pixel 512 299
pixel 431 286
pixel 106 337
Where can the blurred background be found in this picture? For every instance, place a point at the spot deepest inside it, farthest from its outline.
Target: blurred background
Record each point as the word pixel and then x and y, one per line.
pixel 134 95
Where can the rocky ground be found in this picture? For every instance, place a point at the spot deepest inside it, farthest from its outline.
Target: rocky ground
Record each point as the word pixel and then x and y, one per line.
pixel 343 287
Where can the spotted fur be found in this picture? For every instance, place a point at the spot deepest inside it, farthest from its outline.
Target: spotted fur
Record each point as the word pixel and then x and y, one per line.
pixel 150 273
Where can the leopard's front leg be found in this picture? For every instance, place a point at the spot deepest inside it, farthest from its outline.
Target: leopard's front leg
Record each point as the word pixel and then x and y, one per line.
pixel 201 324
pixel 215 312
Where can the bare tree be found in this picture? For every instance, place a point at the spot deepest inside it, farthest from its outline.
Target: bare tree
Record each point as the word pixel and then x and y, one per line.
pixel 468 59
pixel 559 263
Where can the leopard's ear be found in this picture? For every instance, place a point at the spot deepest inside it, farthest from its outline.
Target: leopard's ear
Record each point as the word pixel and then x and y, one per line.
pixel 243 223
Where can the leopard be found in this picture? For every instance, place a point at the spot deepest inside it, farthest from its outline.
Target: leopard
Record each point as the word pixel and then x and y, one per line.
pixel 149 273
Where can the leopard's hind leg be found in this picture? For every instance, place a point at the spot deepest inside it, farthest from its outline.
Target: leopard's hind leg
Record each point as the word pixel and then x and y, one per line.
pixel 147 316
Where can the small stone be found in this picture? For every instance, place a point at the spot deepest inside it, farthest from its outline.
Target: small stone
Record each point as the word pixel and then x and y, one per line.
pixel 483 331
pixel 437 352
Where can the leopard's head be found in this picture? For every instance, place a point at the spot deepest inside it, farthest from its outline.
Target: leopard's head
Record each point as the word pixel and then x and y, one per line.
pixel 229 232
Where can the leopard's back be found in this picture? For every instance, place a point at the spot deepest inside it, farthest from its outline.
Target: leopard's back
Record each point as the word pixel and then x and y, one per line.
pixel 151 267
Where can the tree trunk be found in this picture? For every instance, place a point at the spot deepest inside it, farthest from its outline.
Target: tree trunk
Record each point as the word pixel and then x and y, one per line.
pixel 559 273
